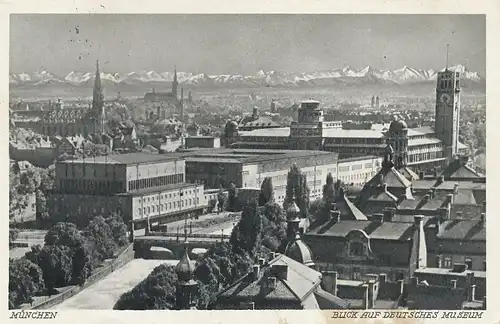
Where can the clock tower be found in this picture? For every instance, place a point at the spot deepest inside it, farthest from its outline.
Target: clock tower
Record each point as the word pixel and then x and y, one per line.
pixel 448 111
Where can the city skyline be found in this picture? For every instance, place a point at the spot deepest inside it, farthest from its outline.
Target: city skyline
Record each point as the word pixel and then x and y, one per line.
pixel 248 43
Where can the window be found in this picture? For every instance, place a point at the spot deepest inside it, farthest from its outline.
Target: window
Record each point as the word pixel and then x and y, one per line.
pixel 468 262
pixel 484 265
pixel 356 274
pixel 356 249
pixel 447 262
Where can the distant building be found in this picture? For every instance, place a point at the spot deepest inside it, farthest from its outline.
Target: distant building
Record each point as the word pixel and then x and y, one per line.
pixel 170 98
pixel 142 187
pixel 255 121
pixel 247 168
pixel 73 121
pixel 420 148
pixel 202 142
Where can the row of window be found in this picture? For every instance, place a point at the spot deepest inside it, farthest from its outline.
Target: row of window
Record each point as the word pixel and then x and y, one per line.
pixel 156 181
pixel 191 202
pixel 90 186
pixel 168 196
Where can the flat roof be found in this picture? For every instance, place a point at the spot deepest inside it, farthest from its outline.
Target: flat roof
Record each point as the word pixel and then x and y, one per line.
pixel 225 155
pixel 145 191
pixel 128 158
pixel 444 271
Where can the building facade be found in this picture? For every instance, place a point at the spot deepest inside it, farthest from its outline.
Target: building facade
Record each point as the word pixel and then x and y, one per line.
pixel 422 147
pixel 142 187
pixel 247 168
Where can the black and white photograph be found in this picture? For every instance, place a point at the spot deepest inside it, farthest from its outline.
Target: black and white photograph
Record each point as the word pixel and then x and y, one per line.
pixel 247 162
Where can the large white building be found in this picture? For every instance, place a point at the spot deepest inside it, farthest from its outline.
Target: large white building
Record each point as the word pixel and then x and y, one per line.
pixel 421 148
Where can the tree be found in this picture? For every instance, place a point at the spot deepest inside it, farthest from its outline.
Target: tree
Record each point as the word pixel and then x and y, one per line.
pixel 232 201
pixel 328 189
pixel 246 233
pixel 100 236
pixel 157 291
pixel 297 187
pixel 273 225
pixel 221 198
pixel 118 229
pixel 25 281
pixel 13 234
pixel 56 264
pixel 83 253
pixel 42 211
pixel 266 191
pixel 64 234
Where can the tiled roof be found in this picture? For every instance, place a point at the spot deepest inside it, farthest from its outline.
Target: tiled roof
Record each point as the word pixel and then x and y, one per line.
pixel 465 230
pixel 329 301
pixel 266 132
pixel 300 283
pixel 385 231
pixel 457 169
pixel 418 131
pixel 392 231
pixel 261 122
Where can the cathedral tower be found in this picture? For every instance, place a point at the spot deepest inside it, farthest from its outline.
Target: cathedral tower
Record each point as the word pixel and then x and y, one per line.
pixel 98 103
pixel 447 116
pixel 175 85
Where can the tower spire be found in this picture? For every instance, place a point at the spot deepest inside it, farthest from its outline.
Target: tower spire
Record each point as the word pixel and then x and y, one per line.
pixel 447 54
pixel 98 100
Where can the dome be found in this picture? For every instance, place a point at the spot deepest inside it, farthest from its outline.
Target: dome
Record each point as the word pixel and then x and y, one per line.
pixel 300 252
pixel 293 210
pixel 184 268
pixel 397 126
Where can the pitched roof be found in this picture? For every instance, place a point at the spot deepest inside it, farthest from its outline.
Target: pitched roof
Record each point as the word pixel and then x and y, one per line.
pixel 385 231
pixel 300 283
pixel 464 230
pixel 458 169
pixel 329 301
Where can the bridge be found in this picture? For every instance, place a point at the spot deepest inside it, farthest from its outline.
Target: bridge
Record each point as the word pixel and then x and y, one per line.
pixel 175 243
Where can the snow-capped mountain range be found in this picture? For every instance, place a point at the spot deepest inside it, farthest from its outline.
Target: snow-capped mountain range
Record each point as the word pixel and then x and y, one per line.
pixel 347 75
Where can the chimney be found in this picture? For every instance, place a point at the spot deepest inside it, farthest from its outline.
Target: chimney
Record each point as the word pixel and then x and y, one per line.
pixel 262 261
pixel 371 294
pixel 401 286
pixel 329 282
pixel 454 283
pixel 335 215
pixel 424 200
pixel 377 218
pixel 366 297
pixel 421 246
pixel 472 293
pixel 438 261
pixel 432 192
pixel 256 272
pixel 443 214
pixel 382 279
pixel 389 214
pixel 271 283
pixel 280 271
pixel 421 175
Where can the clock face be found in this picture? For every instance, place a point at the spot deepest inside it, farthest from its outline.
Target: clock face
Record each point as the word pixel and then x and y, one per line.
pixel 445 98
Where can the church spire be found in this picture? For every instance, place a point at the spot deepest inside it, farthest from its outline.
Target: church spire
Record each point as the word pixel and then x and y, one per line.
pixel 98 101
pixel 175 84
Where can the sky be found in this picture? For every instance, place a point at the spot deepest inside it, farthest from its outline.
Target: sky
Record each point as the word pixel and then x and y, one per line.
pixel 243 44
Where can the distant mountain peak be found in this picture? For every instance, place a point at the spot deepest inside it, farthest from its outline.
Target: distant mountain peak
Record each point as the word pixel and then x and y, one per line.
pixel 346 75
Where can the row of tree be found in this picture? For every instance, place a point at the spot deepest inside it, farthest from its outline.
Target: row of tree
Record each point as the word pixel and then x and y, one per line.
pixel 68 258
